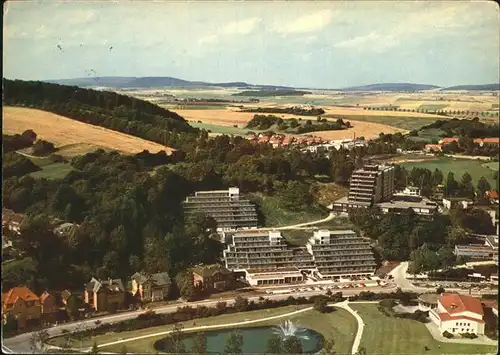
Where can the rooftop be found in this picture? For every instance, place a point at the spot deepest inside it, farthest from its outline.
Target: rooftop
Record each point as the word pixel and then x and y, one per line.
pixel 210 270
pixel 455 303
pixel 15 293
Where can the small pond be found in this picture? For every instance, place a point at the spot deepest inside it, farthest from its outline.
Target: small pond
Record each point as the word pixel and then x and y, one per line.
pixel 254 340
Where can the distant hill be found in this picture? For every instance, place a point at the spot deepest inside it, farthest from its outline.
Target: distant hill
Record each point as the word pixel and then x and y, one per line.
pixel 120 82
pixel 485 87
pixel 391 87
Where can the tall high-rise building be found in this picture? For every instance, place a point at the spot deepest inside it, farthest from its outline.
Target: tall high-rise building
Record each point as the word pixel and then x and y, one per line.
pixel 225 206
pixel 371 184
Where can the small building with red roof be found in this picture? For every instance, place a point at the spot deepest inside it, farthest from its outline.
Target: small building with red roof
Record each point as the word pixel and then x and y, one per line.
pixel 448 140
pixel 458 314
pixel 492 195
pixel 22 304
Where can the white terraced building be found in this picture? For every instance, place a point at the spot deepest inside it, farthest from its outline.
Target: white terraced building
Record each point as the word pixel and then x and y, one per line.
pixel 225 206
pixel 340 253
pixel 266 258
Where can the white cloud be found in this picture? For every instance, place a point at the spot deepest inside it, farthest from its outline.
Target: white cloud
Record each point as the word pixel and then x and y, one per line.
pixel 242 27
pixel 308 23
pixel 428 22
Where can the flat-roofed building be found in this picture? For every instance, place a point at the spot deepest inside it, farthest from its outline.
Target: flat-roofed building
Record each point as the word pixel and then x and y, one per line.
pixel 371 184
pixel 225 206
pixel 476 251
pixel 419 205
pixel 340 253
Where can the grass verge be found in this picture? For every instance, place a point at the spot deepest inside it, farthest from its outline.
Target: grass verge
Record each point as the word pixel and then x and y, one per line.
pixel 385 335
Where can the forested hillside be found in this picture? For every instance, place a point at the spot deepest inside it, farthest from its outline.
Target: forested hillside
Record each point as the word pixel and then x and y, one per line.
pixel 102 108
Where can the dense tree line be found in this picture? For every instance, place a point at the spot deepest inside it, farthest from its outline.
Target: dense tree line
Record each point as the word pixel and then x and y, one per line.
pixel 427 242
pixel 11 143
pixel 466 128
pixel 264 122
pixel 101 108
pixel 14 164
pixel 295 110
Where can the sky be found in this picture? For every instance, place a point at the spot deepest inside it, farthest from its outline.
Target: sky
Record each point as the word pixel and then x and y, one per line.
pixel 317 44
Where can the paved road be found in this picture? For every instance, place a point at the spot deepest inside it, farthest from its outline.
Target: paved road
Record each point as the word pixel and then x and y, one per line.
pixel 20 343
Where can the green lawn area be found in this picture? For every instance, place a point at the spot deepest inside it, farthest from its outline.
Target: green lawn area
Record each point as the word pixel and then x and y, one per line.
pixel 429 135
pixel 338 325
pixel 493 165
pixel 403 122
pixel 387 335
pixel 457 166
pixel 276 216
pixel 221 129
pixel 53 171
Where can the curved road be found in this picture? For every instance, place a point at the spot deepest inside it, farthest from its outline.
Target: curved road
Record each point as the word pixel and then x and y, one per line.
pixel 20 343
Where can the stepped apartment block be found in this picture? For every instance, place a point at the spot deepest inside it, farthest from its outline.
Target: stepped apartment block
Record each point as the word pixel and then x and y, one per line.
pixel 229 210
pixel 266 259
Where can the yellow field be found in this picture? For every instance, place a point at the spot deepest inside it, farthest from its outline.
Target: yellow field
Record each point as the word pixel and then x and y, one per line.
pixel 63 131
pixel 227 117
pixel 368 130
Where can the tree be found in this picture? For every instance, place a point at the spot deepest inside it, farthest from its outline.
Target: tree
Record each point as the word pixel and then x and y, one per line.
pixel 199 344
pixel 457 235
pixel 482 186
pixel 361 351
pixel 29 135
pixel 38 341
pixel 72 305
pixel 241 304
pixel 176 340
pixel 185 283
pixel 321 304
pixel 440 290
pixel 274 345
pixel 234 344
pixel 451 186
pixel 42 148
pixel 292 345
pixel 466 187
pixel 95 349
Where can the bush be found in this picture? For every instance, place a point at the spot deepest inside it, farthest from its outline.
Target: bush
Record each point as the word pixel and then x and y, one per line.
pixel 468 335
pixel 447 334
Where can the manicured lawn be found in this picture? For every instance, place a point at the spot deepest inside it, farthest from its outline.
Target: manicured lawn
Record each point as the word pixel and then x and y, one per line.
pixel 492 165
pixel 338 325
pixel 276 216
pixel 386 335
pixel 53 171
pixel 457 166
pixel 407 123
pixel 226 318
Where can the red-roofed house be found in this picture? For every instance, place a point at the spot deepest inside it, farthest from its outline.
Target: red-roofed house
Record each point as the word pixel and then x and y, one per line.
pixel 448 140
pixel 22 304
pixel 458 314
pixel 492 195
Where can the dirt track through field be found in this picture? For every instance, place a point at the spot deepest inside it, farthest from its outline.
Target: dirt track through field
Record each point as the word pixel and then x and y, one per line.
pixel 63 131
